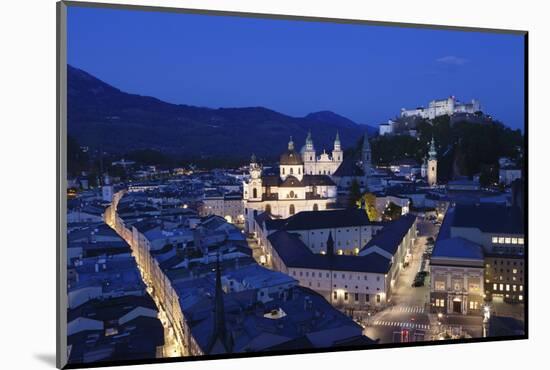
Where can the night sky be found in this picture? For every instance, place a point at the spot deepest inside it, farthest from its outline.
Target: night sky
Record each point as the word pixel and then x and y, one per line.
pixel 366 73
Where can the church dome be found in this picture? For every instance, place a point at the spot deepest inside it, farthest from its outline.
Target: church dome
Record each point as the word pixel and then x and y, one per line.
pixel 291 158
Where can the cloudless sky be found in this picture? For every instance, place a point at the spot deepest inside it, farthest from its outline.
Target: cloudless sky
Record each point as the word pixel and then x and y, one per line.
pixel 364 72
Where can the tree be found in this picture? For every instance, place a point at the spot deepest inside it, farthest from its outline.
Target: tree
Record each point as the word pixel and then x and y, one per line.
pixel 354 194
pixel 392 212
pixel 369 202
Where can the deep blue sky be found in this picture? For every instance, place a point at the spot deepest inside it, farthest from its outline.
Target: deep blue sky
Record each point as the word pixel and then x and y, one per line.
pixel 366 73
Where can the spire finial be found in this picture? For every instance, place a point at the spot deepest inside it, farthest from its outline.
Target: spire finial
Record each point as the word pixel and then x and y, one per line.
pixel 330 245
pixel 291 144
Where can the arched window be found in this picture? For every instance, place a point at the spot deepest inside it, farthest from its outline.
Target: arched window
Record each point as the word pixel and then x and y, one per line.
pixel 255 193
pixel 268 208
pixel 291 209
pixel 283 170
pixel 299 171
pixel 291 171
pixel 315 207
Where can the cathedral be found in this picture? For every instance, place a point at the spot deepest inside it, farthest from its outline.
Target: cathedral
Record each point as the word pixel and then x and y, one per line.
pixel 305 182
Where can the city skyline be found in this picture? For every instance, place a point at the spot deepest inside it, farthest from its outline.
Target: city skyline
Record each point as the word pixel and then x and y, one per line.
pixel 283 64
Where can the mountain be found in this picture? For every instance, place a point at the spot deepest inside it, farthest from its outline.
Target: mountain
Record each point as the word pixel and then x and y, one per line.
pixel 100 114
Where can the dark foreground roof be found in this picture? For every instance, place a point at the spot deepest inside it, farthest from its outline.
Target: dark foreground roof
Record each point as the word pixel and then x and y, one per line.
pixel 392 234
pixel 327 219
pixel 458 248
pixel 489 218
pixel 296 254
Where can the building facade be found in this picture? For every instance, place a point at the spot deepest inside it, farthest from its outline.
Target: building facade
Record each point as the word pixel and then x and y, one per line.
pixel 437 108
pixel 456 273
pixel 292 190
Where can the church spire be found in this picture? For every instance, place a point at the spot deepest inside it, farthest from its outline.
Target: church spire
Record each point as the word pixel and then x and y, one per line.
pixel 220 336
pixel 330 245
pixel 366 155
pixel 432 152
pixel 337 144
pixel 291 145
pixel 309 141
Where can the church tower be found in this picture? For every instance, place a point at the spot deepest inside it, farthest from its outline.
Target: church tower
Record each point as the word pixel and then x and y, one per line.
pixel 308 155
pixel 366 156
pixel 107 189
pixel 337 153
pixel 255 184
pixel 432 164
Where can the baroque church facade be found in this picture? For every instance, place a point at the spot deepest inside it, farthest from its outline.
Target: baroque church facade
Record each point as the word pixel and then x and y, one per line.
pixel 305 182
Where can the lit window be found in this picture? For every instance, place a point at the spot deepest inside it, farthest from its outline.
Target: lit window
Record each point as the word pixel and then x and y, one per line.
pixel 514 288
pixel 494 287
pixel 514 240
pixel 501 287
pixel 521 288
pixel 515 271
pixel 520 298
pixel 507 287
pixel 501 240
pixel 495 240
pixel 520 240
pixel 439 285
pixel 507 240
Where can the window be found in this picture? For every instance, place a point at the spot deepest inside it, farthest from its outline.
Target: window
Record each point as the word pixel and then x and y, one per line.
pixel 457 285
pixel 439 285
pixel 268 208
pixel 520 297
pixel 367 297
pixel 495 240
pixel 473 287
pixel 501 287
pixel 291 171
pixel 501 240
pixel 255 193
pixel 291 209
pixel 291 194
pixel 378 298
pixel 356 297
pixel 345 296
pixel 315 207
pixel 514 240
pixel 335 295
pixel 494 287
pixel 514 271
pixel 283 170
pixel 507 240
pixel 520 241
